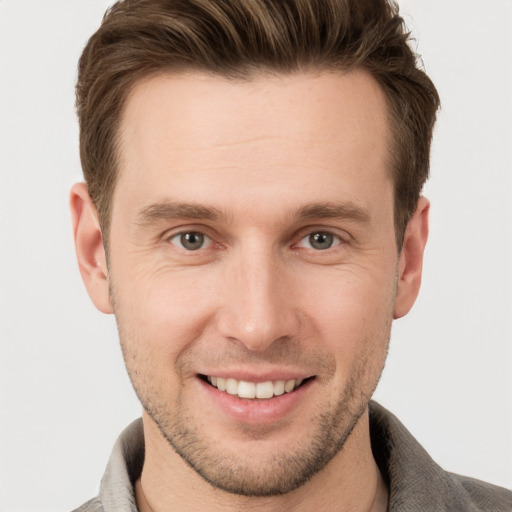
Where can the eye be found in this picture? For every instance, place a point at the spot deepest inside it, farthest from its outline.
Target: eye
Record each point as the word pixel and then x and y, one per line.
pixel 320 241
pixel 190 240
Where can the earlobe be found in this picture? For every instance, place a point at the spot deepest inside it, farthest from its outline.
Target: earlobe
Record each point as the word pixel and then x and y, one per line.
pixel 89 247
pixel 410 265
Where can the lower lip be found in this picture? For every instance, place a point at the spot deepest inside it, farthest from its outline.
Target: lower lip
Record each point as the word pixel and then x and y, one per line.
pixel 257 411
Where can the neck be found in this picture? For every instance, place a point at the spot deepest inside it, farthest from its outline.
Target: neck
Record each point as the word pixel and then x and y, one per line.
pixel 350 481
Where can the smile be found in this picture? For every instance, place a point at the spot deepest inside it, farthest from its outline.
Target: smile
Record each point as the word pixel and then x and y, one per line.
pixel 257 390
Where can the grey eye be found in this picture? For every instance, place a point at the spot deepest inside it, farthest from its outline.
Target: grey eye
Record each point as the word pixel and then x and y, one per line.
pixel 191 241
pixel 321 240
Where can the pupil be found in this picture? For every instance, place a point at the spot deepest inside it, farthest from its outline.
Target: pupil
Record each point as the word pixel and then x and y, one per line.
pixel 321 240
pixel 192 241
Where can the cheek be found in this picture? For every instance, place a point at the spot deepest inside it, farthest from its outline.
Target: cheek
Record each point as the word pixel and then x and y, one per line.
pixel 157 323
pixel 352 310
pixel 164 313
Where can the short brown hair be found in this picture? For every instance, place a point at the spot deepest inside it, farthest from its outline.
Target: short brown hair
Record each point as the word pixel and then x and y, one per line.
pixel 238 38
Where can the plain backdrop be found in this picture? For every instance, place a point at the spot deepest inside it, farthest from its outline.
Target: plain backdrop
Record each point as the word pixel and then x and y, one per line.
pixel 64 392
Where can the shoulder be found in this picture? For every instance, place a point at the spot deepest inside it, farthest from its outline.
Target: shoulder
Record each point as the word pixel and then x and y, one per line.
pixel 93 505
pixel 417 483
pixel 483 495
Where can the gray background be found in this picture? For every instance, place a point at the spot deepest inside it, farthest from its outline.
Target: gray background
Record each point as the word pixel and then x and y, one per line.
pixel 63 389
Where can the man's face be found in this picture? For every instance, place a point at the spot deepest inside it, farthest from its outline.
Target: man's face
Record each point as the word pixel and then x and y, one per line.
pixel 252 244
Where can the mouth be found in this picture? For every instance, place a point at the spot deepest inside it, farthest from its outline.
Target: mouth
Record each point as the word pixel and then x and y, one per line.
pixel 254 390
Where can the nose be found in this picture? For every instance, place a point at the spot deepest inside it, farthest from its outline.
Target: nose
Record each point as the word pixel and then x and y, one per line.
pixel 258 303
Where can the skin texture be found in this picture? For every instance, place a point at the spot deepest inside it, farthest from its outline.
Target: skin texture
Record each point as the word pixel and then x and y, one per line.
pixel 256 167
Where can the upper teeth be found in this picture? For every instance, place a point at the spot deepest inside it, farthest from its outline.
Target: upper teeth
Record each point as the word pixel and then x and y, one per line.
pixel 244 389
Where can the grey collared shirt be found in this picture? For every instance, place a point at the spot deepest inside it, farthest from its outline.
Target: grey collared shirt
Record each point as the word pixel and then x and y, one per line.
pixel 415 482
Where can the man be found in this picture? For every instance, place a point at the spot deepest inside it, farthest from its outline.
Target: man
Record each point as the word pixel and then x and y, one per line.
pixel 252 216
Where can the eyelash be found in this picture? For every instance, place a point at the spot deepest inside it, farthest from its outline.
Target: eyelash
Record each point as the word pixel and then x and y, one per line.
pixel 191 232
pixel 336 240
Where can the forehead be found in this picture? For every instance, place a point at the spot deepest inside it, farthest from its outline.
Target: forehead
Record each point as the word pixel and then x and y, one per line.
pixel 218 110
pixel 200 131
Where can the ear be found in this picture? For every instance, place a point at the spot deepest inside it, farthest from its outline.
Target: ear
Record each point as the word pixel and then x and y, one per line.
pixel 89 247
pixel 410 265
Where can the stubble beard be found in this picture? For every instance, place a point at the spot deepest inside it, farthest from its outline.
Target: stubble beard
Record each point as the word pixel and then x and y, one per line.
pixel 281 473
pixel 241 475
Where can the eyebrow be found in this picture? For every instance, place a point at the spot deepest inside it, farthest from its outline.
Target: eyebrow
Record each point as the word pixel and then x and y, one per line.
pixel 345 210
pixel 170 210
